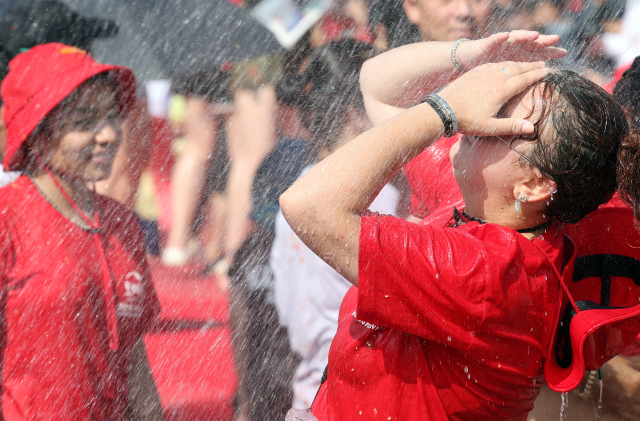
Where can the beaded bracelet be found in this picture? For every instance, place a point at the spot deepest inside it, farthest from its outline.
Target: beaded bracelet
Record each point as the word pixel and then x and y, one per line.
pixel 453 54
pixel 445 113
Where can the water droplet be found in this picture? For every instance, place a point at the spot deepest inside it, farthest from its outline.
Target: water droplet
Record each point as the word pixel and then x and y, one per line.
pixel 449 338
pixel 466 369
pixel 564 405
pixel 600 398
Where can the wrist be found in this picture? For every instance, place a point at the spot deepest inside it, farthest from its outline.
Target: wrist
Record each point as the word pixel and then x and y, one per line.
pixel 466 57
pixel 444 111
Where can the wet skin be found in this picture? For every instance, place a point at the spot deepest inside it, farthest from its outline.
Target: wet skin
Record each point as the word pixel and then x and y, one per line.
pixel 84 135
pixel 486 164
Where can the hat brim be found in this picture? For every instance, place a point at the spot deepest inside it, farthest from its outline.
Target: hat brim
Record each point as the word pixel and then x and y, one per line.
pixel 590 331
pixel 43 102
pixel 606 276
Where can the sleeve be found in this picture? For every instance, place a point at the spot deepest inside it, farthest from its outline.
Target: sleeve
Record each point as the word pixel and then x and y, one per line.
pixel 426 281
pixel 149 300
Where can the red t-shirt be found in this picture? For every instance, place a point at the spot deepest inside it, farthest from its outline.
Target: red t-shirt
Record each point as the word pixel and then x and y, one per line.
pixel 57 362
pixel 431 179
pixel 446 324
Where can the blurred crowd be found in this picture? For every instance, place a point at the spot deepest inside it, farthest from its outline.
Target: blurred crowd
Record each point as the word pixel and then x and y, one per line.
pixel 206 154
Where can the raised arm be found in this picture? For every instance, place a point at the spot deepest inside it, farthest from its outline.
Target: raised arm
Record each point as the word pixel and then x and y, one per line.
pixel 402 77
pixel 325 205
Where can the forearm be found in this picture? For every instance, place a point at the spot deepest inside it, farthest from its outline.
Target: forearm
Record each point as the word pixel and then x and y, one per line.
pixel 323 207
pixel 402 77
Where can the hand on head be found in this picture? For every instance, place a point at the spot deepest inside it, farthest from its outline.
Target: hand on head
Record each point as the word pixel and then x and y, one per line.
pixel 488 88
pixel 521 46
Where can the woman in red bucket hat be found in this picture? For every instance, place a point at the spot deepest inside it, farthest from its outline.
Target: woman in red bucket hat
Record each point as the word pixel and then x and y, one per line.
pixel 76 290
pixel 453 319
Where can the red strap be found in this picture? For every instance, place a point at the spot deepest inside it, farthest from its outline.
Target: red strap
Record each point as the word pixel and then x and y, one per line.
pixel 108 287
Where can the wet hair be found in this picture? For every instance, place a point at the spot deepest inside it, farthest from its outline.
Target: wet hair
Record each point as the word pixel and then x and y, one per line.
pixel 627 93
pixel 589 137
pixel 327 90
pixel 391 15
pixel 213 85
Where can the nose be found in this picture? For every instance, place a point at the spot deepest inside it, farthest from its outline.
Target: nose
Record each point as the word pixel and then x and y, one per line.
pixel 462 9
pixel 109 133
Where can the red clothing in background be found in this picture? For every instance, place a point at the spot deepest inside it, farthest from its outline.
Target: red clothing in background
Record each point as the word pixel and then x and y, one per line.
pixel 446 324
pixel 57 362
pixel 431 179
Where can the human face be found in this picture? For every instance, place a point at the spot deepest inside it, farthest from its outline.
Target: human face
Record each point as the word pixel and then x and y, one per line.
pixel 445 20
pixel 84 134
pixel 487 169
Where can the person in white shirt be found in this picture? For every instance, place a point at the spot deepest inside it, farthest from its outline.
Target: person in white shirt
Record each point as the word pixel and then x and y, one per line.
pixel 308 292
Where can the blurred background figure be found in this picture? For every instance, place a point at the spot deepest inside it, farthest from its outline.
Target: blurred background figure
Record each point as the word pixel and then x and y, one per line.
pixel 308 293
pixel 264 359
pixel 593 20
pixel 202 168
pixel 390 25
pixel 439 20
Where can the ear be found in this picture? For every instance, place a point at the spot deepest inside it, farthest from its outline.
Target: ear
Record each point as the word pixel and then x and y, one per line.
pixel 536 188
pixel 412 11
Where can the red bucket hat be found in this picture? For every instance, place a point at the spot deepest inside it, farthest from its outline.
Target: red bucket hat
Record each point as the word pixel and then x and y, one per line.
pixel 601 316
pixel 41 78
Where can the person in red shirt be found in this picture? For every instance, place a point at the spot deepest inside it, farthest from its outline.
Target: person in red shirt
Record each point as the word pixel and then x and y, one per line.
pixel 452 318
pixel 76 290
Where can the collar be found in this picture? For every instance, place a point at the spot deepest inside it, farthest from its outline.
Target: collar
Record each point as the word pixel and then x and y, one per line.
pixel 462 218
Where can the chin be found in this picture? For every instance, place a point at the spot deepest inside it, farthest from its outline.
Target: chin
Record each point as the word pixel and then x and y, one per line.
pixel 95 176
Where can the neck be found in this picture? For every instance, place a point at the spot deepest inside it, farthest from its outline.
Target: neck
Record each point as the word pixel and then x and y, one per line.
pixel 76 189
pixel 526 219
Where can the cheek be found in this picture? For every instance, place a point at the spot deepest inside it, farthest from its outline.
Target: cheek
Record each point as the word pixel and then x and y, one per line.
pixel 76 147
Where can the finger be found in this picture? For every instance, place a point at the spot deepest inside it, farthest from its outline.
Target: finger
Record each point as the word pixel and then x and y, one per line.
pixel 547 40
pixel 514 68
pixel 524 79
pixel 498 38
pixel 495 41
pixel 548 53
pixel 507 126
pixel 521 36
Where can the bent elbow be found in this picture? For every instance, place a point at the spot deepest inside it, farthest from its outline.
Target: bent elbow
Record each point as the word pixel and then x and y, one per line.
pixel 292 205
